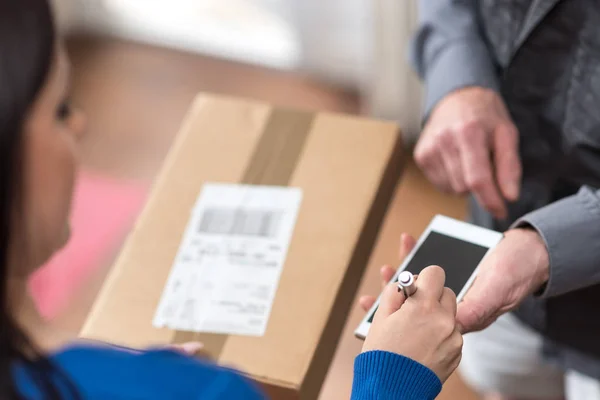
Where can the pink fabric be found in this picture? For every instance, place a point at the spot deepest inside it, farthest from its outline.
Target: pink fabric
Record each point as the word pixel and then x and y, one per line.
pixel 103 212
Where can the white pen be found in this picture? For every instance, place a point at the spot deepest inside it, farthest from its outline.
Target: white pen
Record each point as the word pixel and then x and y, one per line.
pixel 407 284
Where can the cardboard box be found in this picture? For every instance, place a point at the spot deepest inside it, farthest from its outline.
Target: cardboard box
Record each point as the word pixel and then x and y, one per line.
pixel 347 168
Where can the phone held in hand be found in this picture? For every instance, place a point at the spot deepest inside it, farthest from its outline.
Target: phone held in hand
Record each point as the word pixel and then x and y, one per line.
pixel 458 247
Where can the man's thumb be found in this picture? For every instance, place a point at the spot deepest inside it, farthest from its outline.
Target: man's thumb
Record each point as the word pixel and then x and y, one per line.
pixel 472 316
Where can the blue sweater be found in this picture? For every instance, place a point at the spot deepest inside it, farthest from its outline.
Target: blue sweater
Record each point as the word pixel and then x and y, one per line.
pixel 100 373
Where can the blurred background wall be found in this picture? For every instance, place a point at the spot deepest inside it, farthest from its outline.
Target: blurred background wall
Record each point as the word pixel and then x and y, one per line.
pixel 356 44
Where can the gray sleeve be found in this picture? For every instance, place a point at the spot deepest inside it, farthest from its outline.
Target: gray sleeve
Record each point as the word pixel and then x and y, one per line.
pixel 449 51
pixel 571 230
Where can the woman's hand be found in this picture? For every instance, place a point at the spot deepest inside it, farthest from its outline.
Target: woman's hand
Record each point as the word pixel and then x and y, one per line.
pixel 407 243
pixel 190 349
pixel 422 327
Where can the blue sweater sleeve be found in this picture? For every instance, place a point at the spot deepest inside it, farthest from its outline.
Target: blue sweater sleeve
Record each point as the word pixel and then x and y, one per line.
pixel 104 372
pixel 380 375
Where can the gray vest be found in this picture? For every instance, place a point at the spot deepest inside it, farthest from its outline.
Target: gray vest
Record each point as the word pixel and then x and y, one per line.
pixel 548 58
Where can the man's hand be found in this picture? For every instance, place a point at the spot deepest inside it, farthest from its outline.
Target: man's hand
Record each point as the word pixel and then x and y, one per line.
pixel 471 145
pixel 516 268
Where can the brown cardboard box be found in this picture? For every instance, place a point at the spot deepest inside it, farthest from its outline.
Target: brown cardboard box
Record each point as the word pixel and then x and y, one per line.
pixel 347 168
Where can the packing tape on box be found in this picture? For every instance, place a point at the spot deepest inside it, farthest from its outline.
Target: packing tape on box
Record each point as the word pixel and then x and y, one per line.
pixel 273 163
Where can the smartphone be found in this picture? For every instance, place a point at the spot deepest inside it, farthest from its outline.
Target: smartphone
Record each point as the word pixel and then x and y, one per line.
pixel 456 246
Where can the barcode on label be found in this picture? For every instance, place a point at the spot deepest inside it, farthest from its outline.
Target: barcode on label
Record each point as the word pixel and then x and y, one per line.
pixel 240 222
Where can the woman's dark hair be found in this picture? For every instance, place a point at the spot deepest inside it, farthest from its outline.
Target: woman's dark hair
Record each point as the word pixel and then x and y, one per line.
pixel 27 51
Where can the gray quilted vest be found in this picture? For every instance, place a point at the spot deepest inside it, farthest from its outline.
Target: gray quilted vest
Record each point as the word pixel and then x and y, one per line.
pixel 548 58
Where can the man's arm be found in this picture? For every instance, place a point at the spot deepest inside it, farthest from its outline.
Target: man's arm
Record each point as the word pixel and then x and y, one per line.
pixel 449 52
pixel 570 229
pixel 467 119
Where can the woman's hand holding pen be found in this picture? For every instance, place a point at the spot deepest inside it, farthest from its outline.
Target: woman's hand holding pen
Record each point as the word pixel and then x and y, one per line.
pixel 422 327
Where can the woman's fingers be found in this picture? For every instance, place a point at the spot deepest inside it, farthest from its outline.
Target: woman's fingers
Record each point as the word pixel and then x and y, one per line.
pixel 448 301
pixel 387 273
pixel 189 348
pixel 391 301
pixel 407 243
pixel 431 283
pixel 366 302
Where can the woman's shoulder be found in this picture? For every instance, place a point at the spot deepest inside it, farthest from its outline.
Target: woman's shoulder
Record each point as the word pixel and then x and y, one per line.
pixel 101 372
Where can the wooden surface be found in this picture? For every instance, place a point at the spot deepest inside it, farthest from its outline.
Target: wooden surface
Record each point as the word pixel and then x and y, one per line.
pixel 136 96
